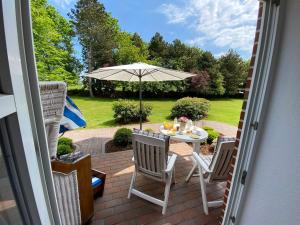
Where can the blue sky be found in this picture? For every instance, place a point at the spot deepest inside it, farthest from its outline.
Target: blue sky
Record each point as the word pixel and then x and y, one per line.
pixel 214 25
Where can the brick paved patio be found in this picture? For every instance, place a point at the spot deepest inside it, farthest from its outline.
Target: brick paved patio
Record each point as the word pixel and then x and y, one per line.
pixel 185 205
pixel 92 141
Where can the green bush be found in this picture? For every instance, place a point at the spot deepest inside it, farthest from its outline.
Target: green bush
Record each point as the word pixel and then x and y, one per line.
pixel 123 137
pixel 65 141
pixel 126 111
pixel 212 134
pixel 63 149
pixel 64 146
pixel 192 108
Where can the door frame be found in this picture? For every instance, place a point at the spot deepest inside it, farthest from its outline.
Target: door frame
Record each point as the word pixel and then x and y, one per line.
pixel 257 103
pixel 22 118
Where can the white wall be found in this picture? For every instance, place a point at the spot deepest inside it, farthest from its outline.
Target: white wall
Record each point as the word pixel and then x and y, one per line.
pixel 273 195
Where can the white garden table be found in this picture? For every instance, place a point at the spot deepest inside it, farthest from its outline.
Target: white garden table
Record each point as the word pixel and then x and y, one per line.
pixel 186 138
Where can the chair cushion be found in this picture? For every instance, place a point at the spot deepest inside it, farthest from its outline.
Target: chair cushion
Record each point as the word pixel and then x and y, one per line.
pixel 96 181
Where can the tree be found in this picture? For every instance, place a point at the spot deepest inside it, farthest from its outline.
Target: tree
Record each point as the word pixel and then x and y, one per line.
pixel 207 62
pixel 200 83
pixel 97 32
pixel 137 40
pixel 157 48
pixel 234 71
pixel 53 47
pixel 130 49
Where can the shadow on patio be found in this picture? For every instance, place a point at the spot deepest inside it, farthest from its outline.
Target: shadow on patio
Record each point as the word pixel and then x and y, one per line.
pixel 185 204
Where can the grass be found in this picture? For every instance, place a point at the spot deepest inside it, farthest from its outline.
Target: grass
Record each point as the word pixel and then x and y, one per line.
pixel 98 111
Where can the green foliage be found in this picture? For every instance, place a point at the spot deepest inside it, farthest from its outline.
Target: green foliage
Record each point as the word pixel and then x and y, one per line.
pixel 157 48
pixel 97 31
pixel 65 141
pixel 123 137
pixel 126 111
pixel 130 49
pixel 234 71
pixel 63 149
pixel 192 108
pixel 54 51
pixel 64 146
pixel 212 134
pixel 105 44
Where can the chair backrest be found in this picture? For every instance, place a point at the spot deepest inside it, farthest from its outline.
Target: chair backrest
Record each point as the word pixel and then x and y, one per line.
pixel 67 195
pixel 53 96
pixel 220 164
pixel 150 154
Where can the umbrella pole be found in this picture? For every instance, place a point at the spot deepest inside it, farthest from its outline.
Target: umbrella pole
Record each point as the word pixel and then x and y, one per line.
pixel 140 82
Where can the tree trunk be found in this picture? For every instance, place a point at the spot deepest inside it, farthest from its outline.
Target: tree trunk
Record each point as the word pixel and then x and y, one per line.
pixel 90 69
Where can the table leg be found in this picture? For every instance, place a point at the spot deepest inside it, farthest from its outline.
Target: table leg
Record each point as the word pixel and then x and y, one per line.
pixel 196 148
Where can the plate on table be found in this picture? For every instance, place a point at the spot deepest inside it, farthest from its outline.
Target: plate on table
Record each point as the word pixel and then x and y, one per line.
pixel 168 132
pixel 194 136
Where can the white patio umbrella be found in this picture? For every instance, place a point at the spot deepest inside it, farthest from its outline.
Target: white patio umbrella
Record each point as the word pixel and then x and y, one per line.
pixel 138 72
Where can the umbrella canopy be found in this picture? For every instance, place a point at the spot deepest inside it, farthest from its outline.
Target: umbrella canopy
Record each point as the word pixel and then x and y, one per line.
pixel 138 72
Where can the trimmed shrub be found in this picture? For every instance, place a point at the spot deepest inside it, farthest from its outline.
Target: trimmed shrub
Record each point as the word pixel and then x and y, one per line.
pixel 192 108
pixel 123 137
pixel 64 146
pixel 65 141
pixel 126 111
pixel 212 134
pixel 63 149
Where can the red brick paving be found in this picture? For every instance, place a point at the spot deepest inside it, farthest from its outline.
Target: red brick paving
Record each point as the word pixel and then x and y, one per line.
pixel 185 205
pixel 93 140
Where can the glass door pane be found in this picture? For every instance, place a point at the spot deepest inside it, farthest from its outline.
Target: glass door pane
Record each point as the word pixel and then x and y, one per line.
pixel 9 212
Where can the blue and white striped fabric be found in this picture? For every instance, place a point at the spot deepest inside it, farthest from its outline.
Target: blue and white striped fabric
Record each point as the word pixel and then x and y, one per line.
pixel 72 118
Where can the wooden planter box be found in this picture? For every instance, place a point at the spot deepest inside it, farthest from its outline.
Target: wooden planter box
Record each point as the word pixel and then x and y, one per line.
pixel 98 190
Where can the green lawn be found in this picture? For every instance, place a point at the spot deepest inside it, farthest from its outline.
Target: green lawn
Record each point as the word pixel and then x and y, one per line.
pixel 98 111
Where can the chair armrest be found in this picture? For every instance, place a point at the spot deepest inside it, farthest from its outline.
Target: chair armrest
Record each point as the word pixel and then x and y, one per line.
pixel 171 163
pixel 99 174
pixel 200 162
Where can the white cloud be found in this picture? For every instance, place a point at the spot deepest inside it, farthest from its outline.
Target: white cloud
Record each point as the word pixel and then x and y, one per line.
pixel 64 3
pixel 174 13
pixel 224 23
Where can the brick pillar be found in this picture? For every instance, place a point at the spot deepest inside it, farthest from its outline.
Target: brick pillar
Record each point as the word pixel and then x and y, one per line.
pixel 242 115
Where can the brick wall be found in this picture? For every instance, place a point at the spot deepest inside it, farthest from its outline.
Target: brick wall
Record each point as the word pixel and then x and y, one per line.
pixel 249 79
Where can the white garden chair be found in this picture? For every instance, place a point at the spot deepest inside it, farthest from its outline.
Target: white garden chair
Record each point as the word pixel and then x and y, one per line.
pixel 151 160
pixel 215 168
